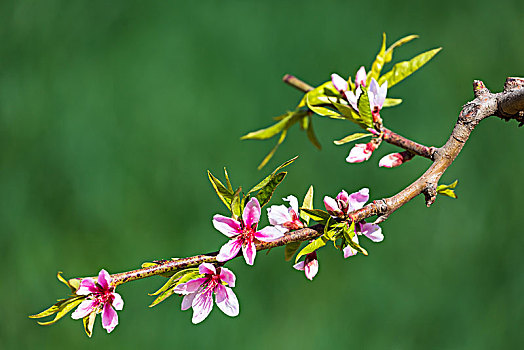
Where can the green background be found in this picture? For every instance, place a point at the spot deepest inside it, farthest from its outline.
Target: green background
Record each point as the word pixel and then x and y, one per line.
pixel 111 113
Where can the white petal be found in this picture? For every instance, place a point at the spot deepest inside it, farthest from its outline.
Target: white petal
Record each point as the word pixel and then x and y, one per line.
pixel 278 215
pixel 228 303
pixel 293 202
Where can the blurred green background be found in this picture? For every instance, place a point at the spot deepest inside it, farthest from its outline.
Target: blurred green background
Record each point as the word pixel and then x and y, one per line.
pixel 111 113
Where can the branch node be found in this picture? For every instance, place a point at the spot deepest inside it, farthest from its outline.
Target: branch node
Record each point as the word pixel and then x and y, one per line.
pixel 430 193
pixel 479 89
pixel 513 83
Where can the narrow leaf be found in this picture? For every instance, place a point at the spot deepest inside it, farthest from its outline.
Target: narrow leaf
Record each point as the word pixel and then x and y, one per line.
pixel 352 137
pixel 389 52
pixel 290 250
pixel 64 309
pixel 228 183
pixel 271 131
pixel 311 134
pixel 264 195
pixel 272 152
pixel 173 279
pixel 270 176
pixel 391 102
pixel 311 247
pixel 236 208
pixel 316 214
pixel 364 108
pixel 404 69
pixel 447 190
pixel 378 64
pixel 225 195
pixel 307 204
pixel 73 283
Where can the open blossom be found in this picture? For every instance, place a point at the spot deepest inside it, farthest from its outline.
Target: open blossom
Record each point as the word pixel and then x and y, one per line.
pixel 395 159
pixel 243 233
pixel 283 218
pixel 101 297
pixel 345 203
pixel 361 152
pixel 377 96
pixel 342 85
pixel 198 293
pixel 309 265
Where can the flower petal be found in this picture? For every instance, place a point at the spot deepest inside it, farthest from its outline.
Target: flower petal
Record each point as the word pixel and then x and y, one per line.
pixel 187 302
pixel 358 199
pixel 207 268
pixel 348 251
pixel 278 215
pixel 249 250
pixel 332 206
pixel 227 300
pixel 202 306
pixel 118 302
pixel 391 160
pixel 193 285
pixel 373 232
pixel 268 234
pixel 339 83
pixel 226 275
pixel 228 226
pixel 84 309
pixel 293 202
pixel 87 286
pixel 352 98
pixel 229 250
pixel 109 318
pixel 300 266
pixel 361 76
pixel 251 214
pixel 360 153
pixel 104 279
pixel 311 269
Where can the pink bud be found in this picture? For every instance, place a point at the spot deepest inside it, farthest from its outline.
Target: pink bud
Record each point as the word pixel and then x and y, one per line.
pixel 339 83
pixel 395 159
pixel 360 77
pixel 361 152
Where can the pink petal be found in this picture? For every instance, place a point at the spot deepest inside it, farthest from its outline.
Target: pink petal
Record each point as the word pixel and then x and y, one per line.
pixel 311 269
pixel 299 266
pixel 359 153
pixel 226 300
pixel 391 160
pixel 207 268
pixel 332 206
pixel 104 280
pixel 373 232
pixel 352 98
pixel 293 202
pixel 361 76
pixel 382 94
pixel 339 83
pixel 227 276
pixel 118 302
pixel 227 226
pixel 229 250
pixel 202 306
pixel 187 301
pixel 348 251
pixel 343 196
pixel 84 309
pixel 87 286
pixel 358 199
pixel 268 234
pixel 278 215
pixel 251 214
pixel 249 250
pixel 109 318
pixel 193 285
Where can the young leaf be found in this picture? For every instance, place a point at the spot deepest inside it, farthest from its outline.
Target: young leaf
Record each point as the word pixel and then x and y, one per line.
pixel 352 137
pixel 290 250
pixel 447 190
pixel 316 214
pixel 391 102
pixel 349 233
pixel 73 283
pixel 271 131
pixel 172 281
pixel 273 150
pixel 404 69
pixel 364 109
pixel 188 275
pixel 311 134
pixel 89 322
pixel 225 195
pixel 228 183
pixel 389 52
pixel 311 247
pixel 270 176
pixel 307 204
pixel 379 62
pixel 265 193
pixel 64 308
pixel 236 208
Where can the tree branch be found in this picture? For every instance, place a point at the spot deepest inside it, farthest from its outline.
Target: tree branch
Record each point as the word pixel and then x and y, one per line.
pixel 508 104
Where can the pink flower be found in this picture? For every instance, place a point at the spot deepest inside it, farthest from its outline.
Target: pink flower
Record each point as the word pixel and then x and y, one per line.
pixel 361 152
pixel 377 96
pixel 309 265
pixel 243 233
pixel 353 97
pixel 198 293
pixel 283 218
pixel 344 203
pixel 100 298
pixel 371 231
pixel 360 77
pixel 339 83
pixel 395 159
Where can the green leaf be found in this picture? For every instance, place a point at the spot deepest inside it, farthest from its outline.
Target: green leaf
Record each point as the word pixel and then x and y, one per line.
pixel 236 207
pixel 378 64
pixel 268 178
pixel 311 134
pixel 228 183
pixel 404 69
pixel 307 204
pixel 172 281
pixel 265 193
pixel 447 190
pixel 73 283
pixel 318 98
pixel 290 250
pixel 63 309
pixel 89 322
pixel 349 233
pixel 225 195
pixel 311 247
pixel 350 138
pixel 389 52
pixel 391 102
pixel 316 214
pixel 332 229
pixel 271 131
pixel 171 290
pixel 273 150
pixel 364 108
